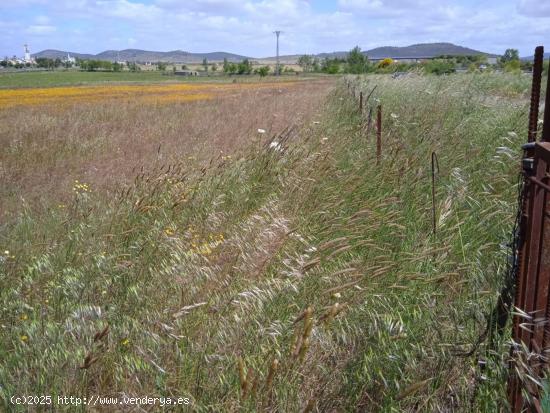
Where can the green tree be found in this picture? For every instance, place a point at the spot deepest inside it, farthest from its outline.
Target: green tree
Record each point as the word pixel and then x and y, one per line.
pixel 439 67
pixel 306 62
pixel 244 68
pixel 229 67
pixel 106 65
pixel 510 55
pixel 512 66
pixel 133 67
pixel 214 67
pixel 331 66
pixel 117 67
pixel 316 66
pixel 91 65
pixel 356 61
pixel 205 64
pixel 262 71
pixel 161 66
pixel 45 63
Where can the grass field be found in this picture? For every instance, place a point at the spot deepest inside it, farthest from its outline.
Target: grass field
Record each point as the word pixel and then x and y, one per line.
pixel 58 78
pixel 68 78
pixel 102 134
pixel 173 250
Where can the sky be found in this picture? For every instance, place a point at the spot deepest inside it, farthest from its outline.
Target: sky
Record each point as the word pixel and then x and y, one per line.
pixel 246 26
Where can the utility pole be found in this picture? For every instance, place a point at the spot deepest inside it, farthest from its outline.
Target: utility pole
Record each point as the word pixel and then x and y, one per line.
pixel 277 68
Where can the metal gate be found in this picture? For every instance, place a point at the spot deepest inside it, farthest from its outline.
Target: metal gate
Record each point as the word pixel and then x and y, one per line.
pixel 531 327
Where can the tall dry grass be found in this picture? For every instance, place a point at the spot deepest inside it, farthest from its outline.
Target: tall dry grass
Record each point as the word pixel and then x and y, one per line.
pixel 298 276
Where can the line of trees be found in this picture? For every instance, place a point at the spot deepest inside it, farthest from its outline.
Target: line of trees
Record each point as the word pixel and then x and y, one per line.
pixel 103 65
pixel 356 62
pixel 241 68
pixel 8 63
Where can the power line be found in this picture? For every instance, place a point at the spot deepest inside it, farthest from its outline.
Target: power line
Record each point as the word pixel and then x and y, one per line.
pixel 277 68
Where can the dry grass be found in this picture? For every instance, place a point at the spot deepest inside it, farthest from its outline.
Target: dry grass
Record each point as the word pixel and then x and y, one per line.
pixel 103 134
pixel 298 276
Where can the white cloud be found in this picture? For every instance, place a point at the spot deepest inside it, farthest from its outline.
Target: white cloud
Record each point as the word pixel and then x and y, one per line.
pixel 534 8
pixel 205 6
pixel 43 20
pixel 13 4
pixel 40 29
pixel 246 26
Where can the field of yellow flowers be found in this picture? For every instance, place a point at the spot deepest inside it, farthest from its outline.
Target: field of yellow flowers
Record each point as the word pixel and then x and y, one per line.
pixel 147 93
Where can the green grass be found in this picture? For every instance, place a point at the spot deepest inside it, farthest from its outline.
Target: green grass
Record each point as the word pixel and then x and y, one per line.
pixel 62 78
pixel 73 78
pixel 205 277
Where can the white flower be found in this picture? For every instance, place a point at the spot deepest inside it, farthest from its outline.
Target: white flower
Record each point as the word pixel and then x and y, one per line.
pixel 394 116
pixel 276 145
pixel 261 130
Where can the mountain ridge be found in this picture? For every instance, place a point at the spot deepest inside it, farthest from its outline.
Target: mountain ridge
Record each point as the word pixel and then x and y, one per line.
pixel 138 55
pixel 421 50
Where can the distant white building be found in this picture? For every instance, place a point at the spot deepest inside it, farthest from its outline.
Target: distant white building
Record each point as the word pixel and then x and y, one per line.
pixel 69 59
pixel 27 56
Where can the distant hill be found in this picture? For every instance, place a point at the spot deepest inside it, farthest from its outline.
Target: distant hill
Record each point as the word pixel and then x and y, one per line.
pixel 58 54
pixel 532 57
pixel 175 56
pixel 424 50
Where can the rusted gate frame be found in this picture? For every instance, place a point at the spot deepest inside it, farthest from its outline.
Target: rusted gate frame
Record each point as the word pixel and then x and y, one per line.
pixel 533 280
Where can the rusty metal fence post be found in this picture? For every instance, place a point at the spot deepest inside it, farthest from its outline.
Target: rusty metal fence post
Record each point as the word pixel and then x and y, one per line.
pixel 531 329
pixel 378 134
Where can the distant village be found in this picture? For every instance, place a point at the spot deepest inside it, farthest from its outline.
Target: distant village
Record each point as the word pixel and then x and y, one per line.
pixel 356 62
pixel 28 61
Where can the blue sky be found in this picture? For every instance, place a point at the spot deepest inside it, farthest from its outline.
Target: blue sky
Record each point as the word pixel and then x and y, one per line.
pixel 246 26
